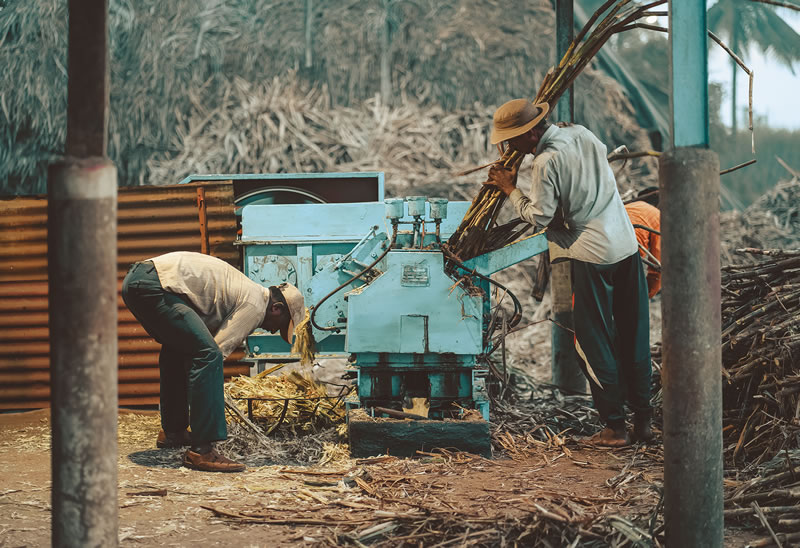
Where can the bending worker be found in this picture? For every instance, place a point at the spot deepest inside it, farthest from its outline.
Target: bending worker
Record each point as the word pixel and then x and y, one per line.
pixel 200 309
pixel 571 175
pixel 646 220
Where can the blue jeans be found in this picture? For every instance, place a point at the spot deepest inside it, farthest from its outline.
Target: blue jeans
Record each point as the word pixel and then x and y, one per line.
pixel 190 362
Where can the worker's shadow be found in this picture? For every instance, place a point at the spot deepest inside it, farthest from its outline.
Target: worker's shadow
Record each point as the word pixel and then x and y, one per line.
pixel 158 458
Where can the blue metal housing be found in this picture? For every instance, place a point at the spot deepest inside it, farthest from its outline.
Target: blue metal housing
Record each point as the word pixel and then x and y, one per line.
pixel 410 329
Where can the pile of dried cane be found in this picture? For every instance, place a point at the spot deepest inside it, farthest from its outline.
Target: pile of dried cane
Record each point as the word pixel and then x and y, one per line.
pixel 761 355
pixel 474 234
pixel 302 401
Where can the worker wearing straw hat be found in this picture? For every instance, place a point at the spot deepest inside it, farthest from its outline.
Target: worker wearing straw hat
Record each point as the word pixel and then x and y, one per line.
pixel 574 194
pixel 200 309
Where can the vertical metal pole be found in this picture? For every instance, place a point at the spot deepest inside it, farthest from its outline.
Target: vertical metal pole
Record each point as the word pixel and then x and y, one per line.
pixel 386 69
pixel 309 12
pixel 82 274
pixel 691 375
pixel 564 362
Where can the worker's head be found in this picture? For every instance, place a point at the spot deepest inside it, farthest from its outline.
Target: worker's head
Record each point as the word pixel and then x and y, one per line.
pixel 285 310
pixel 649 195
pixel 520 123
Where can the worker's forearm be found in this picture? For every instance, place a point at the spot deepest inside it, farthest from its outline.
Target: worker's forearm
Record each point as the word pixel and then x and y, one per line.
pixel 527 210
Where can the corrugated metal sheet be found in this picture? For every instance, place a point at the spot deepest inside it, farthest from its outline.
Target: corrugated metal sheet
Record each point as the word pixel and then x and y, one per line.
pixel 151 221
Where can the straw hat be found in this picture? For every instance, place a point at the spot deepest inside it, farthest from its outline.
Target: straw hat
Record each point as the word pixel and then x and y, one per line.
pixel 297 309
pixel 515 118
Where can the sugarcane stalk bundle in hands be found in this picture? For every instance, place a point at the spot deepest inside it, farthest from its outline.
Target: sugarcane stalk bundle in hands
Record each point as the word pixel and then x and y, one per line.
pixel 478 232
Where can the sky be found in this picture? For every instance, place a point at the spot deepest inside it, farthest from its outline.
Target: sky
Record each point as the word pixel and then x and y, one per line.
pixel 776 91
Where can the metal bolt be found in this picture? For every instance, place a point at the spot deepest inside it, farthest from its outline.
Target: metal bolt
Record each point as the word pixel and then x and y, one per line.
pixel 256 349
pixel 272 258
pixel 374 255
pixel 308 290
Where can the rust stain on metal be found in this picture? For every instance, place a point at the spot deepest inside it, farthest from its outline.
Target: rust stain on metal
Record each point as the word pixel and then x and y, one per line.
pixel 151 221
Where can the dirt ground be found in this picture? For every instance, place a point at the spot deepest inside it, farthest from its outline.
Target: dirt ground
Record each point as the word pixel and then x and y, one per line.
pixel 164 504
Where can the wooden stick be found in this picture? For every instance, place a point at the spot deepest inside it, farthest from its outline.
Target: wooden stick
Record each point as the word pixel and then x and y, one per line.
pixel 740 166
pixel 765 523
pixel 255 429
pixel 399 414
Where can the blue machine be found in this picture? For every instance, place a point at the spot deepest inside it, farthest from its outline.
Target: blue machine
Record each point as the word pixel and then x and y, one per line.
pixel 410 329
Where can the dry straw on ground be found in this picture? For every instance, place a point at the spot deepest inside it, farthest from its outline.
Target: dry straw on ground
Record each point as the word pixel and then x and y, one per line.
pixel 296 400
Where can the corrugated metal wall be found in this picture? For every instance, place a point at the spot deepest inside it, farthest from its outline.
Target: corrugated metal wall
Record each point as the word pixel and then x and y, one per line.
pixel 152 220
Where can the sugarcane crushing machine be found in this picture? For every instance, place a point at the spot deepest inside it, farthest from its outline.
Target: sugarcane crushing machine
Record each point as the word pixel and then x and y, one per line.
pixel 413 325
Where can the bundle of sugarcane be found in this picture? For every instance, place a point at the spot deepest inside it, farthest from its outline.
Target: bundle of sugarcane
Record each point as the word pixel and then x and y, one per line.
pixel 305 399
pixel 761 355
pixel 772 498
pixel 304 344
pixel 471 237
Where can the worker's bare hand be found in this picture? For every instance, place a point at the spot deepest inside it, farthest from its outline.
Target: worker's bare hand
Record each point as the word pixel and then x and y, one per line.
pixel 502 178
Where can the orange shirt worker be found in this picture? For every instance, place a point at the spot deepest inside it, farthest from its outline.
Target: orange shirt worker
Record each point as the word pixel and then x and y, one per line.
pixel 644 214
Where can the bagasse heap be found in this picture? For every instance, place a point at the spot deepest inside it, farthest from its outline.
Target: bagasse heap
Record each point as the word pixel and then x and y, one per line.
pixel 478 232
pixel 301 412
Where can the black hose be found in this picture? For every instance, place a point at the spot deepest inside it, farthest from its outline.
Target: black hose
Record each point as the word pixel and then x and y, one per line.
pixel 348 282
pixel 517 306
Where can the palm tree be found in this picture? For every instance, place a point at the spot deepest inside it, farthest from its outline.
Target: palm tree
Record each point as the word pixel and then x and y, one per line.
pixel 743 23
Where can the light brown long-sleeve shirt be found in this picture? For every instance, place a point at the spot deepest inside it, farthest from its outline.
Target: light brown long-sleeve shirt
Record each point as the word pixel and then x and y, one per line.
pixel 230 304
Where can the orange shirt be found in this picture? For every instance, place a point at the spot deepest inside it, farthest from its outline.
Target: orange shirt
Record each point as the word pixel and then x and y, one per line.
pixel 642 213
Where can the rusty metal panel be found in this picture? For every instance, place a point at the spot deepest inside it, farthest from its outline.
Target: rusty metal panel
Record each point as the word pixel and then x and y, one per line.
pixel 151 221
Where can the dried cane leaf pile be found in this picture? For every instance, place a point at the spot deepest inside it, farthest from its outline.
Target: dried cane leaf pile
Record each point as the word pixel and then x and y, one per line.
pixel 308 405
pixel 771 498
pixel 761 355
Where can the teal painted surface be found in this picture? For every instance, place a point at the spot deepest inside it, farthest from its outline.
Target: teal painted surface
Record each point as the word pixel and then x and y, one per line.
pixel 292 223
pixel 689 73
pixel 513 253
pixel 414 285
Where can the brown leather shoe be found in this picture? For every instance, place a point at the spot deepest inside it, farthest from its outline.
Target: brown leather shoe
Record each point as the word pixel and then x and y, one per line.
pixel 173 440
pixel 210 462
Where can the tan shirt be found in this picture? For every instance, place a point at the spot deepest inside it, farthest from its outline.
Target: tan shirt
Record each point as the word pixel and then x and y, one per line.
pixel 571 170
pixel 230 304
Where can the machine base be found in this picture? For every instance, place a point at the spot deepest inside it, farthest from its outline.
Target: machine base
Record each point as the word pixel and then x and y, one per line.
pixel 403 438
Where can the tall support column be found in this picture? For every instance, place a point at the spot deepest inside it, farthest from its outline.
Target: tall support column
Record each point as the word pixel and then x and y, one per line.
pixel 82 274
pixel 691 318
pixel 564 361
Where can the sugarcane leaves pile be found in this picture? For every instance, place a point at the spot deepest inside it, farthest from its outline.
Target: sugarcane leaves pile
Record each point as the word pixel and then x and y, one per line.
pixel 478 231
pixel 305 399
pixel 761 355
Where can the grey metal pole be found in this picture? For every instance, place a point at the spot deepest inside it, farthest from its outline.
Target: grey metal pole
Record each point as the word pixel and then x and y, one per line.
pixel 82 276
pixel 691 322
pixel 82 273
pixel 564 361
pixel 309 13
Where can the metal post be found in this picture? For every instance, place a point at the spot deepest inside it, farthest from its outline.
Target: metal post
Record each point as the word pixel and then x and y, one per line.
pixel 691 375
pixel 82 274
pixel 564 362
pixel 87 86
pixel 309 13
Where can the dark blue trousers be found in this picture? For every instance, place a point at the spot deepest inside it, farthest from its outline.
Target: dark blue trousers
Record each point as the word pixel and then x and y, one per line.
pixel 612 325
pixel 190 362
